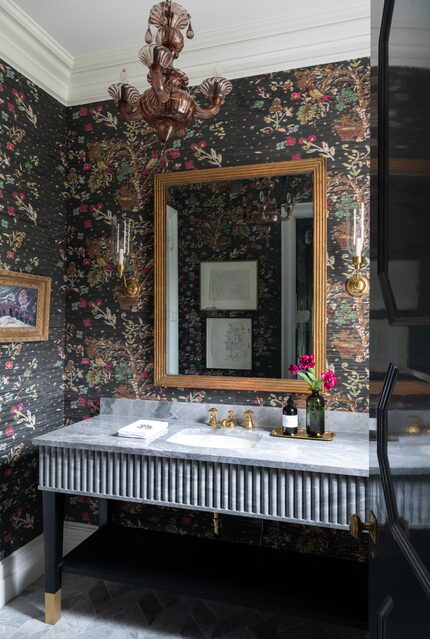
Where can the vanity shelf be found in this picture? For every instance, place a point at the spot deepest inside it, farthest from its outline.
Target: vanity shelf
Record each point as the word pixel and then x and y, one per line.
pixel 239 574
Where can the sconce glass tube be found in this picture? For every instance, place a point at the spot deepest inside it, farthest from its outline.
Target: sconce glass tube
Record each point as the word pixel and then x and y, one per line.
pixel 122 236
pixel 357 285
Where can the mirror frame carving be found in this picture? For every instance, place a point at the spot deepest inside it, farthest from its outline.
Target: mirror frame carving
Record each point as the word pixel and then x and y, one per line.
pixel 316 166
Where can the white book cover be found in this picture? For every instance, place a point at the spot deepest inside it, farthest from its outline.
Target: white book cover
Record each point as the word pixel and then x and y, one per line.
pixel 146 429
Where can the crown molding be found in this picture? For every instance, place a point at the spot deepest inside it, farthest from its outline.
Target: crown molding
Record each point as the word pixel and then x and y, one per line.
pixel 253 48
pixel 32 51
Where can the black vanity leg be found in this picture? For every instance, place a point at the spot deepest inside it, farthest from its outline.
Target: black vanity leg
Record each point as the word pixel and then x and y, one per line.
pixel 53 522
pixel 105 512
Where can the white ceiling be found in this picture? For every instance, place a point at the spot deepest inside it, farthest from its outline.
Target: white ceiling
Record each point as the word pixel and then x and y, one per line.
pixel 75 48
pixel 86 27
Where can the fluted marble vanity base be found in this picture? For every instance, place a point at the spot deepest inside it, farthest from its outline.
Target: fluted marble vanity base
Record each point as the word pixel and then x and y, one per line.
pixel 254 491
pixel 311 483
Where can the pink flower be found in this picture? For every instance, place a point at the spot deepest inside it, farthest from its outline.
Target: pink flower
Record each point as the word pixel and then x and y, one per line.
pixel 326 98
pixel 202 144
pixel 20 406
pixel 11 107
pixel 1 87
pixel 312 138
pixel 87 322
pixel 294 370
pixel 88 224
pixel 87 166
pixel 82 302
pixel 88 126
pixel 81 402
pixel 84 207
pixel 9 365
pixel 85 361
pixel 10 255
pixel 86 262
pixel 154 155
pixel 174 153
pixel 302 141
pixel 290 141
pixel 11 210
pixel 329 379
pixel 296 156
pixel 10 146
pixel 9 430
pixel 83 111
pixel 295 96
pixel 189 164
pixel 8 537
pixel 85 517
pixel 306 361
pixel 100 109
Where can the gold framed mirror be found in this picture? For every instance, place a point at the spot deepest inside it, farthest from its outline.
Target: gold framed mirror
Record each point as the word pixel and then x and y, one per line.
pixel 240 275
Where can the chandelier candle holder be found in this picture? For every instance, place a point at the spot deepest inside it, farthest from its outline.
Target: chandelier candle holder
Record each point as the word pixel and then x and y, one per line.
pixel 357 285
pixel 167 106
pixel 122 235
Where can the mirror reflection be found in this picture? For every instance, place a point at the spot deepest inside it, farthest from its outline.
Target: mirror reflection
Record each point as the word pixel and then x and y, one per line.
pixel 239 276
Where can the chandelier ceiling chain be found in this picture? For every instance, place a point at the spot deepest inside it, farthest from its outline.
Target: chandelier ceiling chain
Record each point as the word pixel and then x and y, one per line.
pixel 167 106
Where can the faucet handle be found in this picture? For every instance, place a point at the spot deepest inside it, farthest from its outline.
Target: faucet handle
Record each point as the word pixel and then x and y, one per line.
pixel 213 417
pixel 249 424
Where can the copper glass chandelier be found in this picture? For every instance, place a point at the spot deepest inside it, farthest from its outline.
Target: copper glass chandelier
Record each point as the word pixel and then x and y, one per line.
pixel 167 106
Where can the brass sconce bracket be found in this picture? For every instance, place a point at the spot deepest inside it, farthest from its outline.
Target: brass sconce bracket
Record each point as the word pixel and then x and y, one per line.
pixel 357 285
pixel 131 287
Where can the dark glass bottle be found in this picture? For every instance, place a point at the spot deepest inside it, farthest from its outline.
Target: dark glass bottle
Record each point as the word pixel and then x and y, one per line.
pixel 315 415
pixel 289 418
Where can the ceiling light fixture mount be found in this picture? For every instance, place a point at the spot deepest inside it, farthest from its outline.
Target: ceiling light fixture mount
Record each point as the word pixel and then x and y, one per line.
pixel 167 106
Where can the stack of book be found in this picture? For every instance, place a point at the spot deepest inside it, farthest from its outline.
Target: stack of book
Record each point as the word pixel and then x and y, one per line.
pixel 145 429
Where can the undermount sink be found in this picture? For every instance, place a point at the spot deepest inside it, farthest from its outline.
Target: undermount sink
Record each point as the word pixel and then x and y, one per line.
pixel 212 440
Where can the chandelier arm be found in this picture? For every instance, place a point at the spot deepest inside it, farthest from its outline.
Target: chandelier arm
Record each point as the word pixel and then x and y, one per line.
pixel 131 116
pixel 157 82
pixel 207 113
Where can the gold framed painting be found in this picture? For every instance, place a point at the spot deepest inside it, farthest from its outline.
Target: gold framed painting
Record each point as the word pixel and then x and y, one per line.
pixel 24 307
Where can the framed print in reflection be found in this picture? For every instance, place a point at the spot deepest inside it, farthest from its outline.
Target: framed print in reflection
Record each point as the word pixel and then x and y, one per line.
pixel 24 307
pixel 229 286
pixel 229 343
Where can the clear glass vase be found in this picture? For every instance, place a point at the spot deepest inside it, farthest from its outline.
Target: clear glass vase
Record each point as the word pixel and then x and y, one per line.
pixel 315 414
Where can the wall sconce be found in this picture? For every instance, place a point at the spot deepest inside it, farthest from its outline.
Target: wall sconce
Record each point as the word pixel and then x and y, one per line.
pixel 357 285
pixel 122 236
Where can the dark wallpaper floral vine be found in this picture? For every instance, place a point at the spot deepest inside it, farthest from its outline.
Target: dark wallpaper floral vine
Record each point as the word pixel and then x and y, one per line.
pixel 32 239
pixel 319 111
pixel 106 169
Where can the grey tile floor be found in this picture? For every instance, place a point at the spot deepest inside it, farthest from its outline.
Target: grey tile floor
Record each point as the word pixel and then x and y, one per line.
pixel 94 609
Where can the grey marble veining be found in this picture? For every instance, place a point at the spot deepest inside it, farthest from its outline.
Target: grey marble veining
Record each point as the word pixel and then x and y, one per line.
pixel 95 609
pixel 347 454
pixel 312 482
pixel 264 416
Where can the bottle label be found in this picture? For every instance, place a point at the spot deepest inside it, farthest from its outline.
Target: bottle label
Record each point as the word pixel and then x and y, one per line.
pixel 290 422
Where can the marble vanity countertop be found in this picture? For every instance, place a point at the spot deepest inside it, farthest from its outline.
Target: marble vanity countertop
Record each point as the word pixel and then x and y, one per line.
pixel 347 454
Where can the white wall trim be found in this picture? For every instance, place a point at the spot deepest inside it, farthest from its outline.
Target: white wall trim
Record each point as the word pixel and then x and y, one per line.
pixel 253 48
pixel 32 51
pixel 25 565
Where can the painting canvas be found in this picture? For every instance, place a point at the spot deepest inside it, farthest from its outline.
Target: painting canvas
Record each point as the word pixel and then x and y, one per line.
pixel 24 307
pixel 229 285
pixel 18 306
pixel 229 343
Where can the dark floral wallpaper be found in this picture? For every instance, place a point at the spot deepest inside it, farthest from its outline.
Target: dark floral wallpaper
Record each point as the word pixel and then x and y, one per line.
pixel 318 111
pixel 106 169
pixel 32 239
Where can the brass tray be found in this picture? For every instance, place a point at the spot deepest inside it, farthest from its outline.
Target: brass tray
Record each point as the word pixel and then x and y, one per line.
pixel 302 434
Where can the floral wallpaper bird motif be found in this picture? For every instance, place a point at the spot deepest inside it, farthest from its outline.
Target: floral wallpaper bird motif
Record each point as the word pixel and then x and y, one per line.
pixel 99 166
